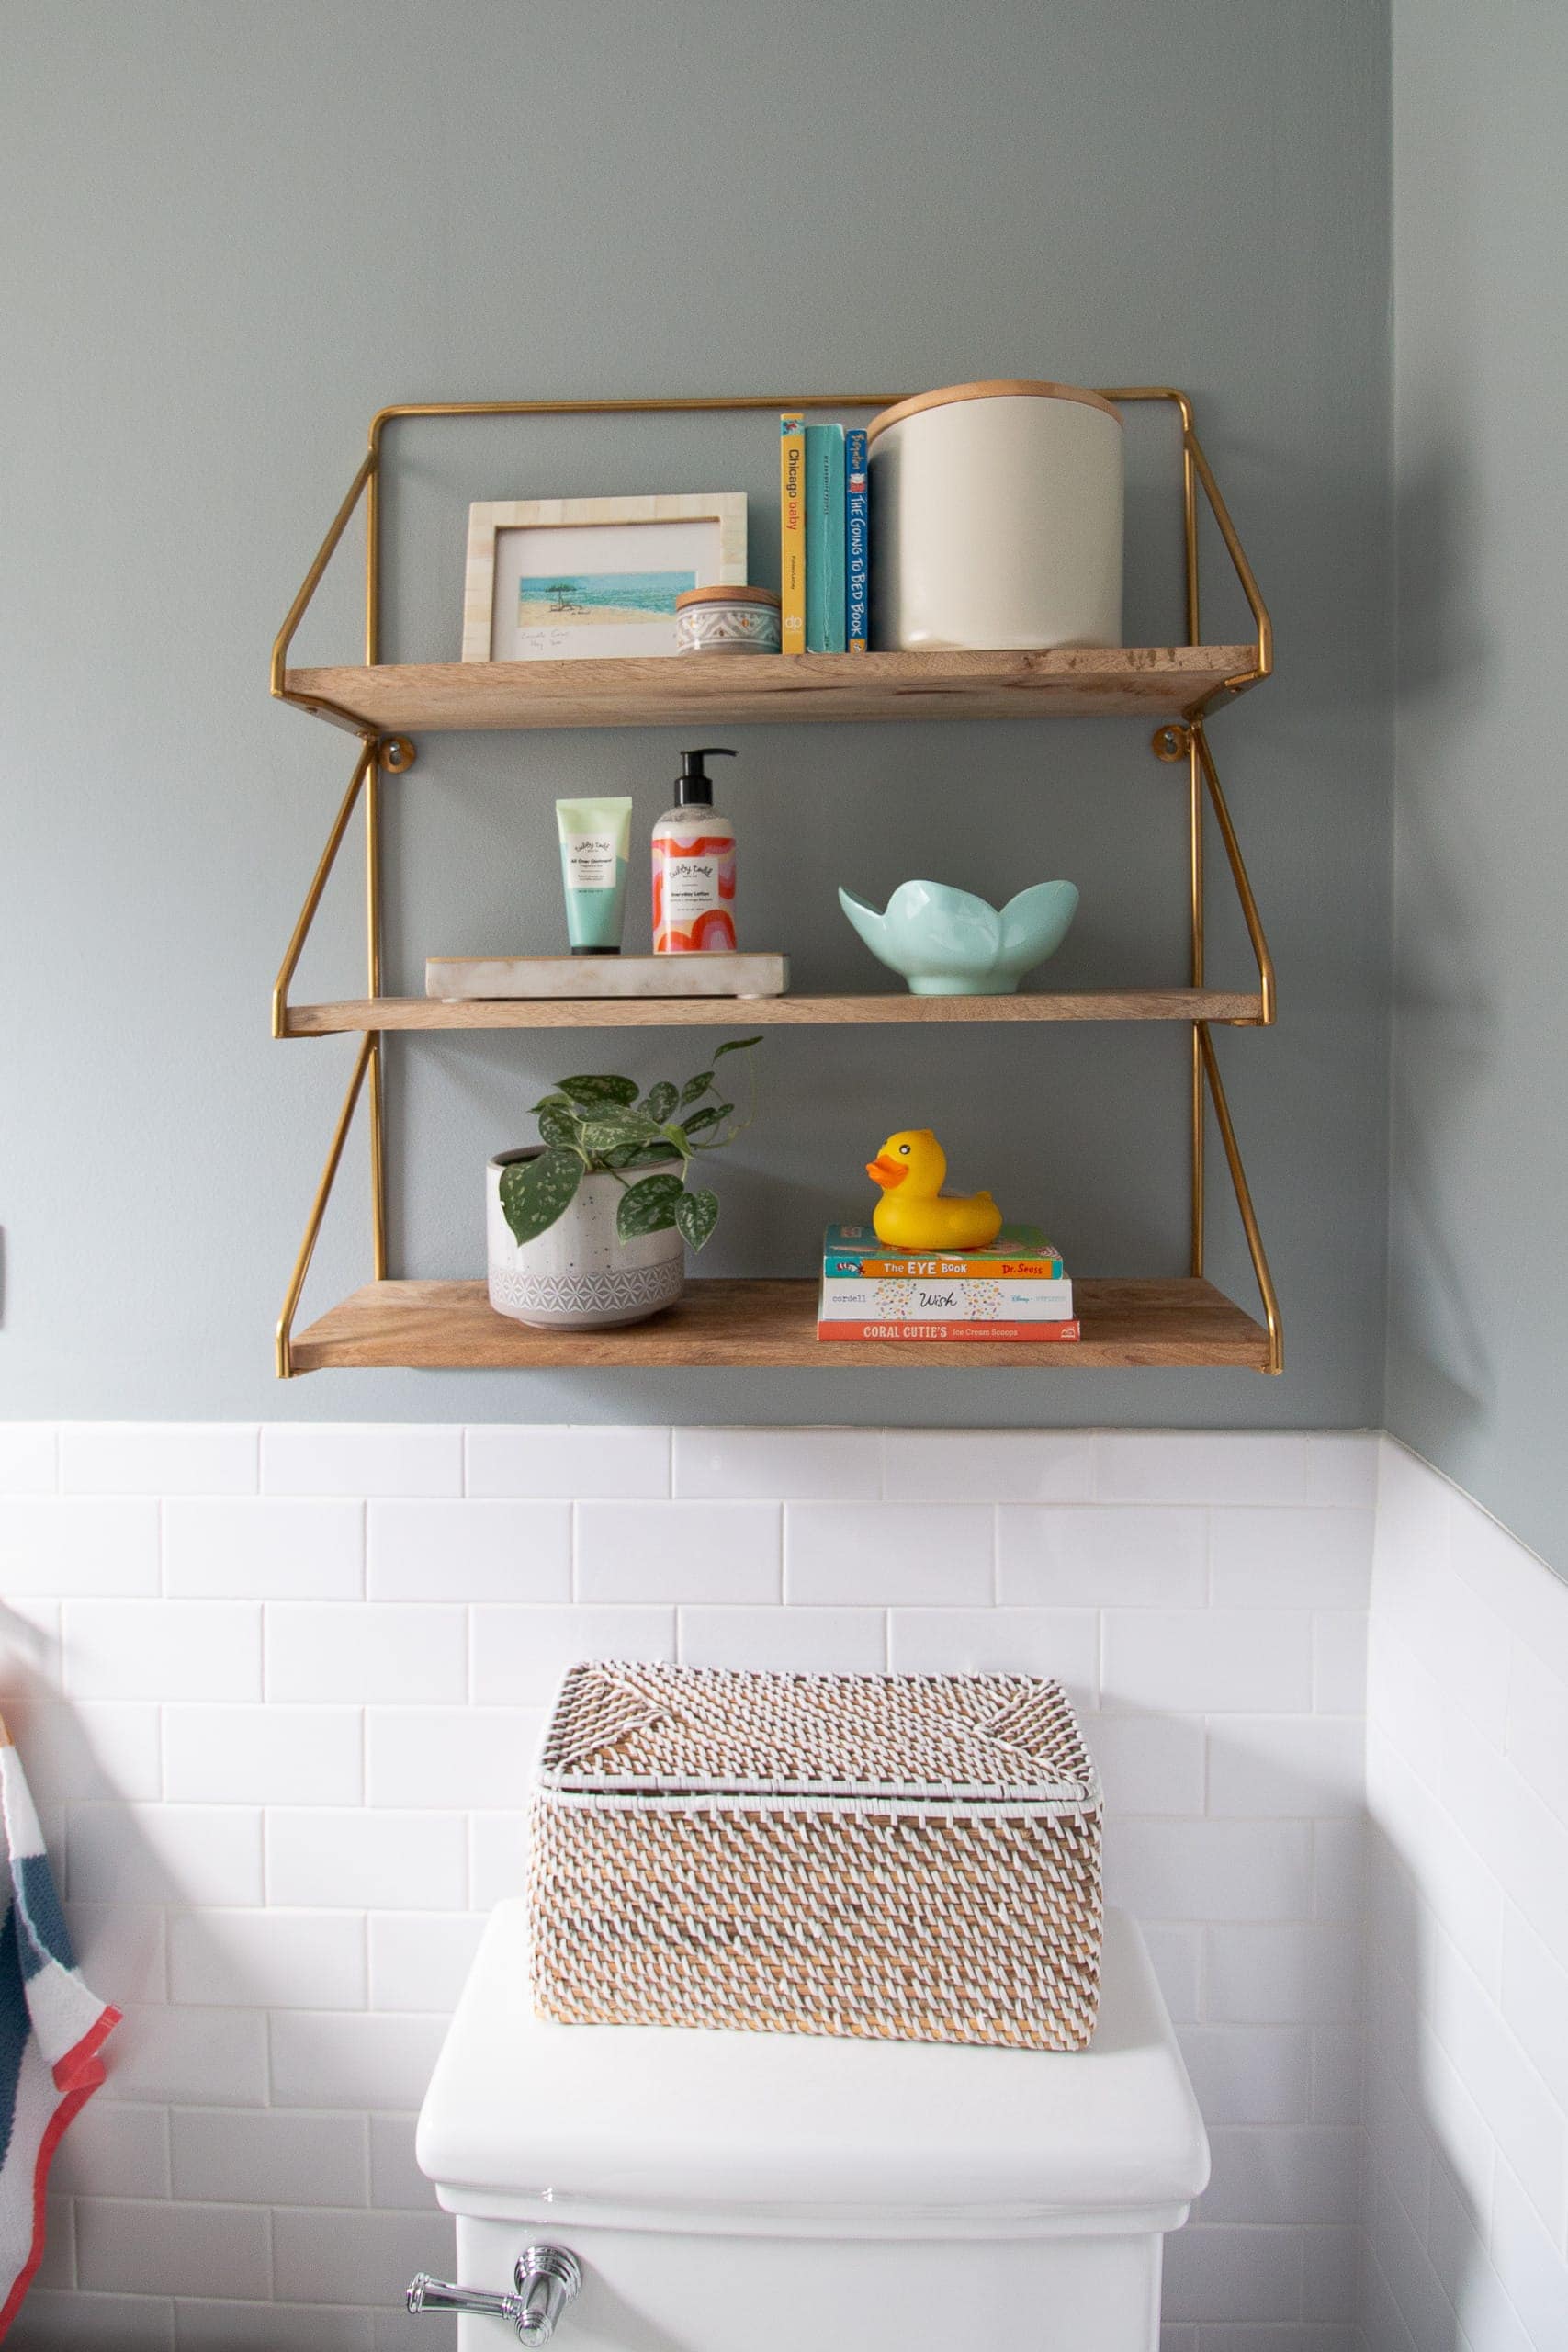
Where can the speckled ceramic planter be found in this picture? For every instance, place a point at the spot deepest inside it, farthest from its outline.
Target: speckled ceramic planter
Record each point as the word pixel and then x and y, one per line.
pixel 579 1276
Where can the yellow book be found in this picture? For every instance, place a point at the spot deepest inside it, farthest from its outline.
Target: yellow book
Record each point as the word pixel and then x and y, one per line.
pixel 792 533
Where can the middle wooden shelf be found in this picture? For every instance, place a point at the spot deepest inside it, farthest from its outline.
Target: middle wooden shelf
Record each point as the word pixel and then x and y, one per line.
pixel 362 1013
pixel 713 689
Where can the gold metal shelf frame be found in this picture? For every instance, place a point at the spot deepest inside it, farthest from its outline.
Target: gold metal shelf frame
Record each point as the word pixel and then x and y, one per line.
pixel 1183 738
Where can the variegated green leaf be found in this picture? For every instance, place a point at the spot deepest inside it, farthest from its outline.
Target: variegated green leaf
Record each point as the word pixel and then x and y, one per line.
pixel 711 1115
pixel 648 1207
pixel 535 1192
pixel 609 1130
pixel 696 1214
pixel 641 1155
pixel 695 1086
pixel 738 1044
pixel 557 1125
pixel 597 1087
pixel 659 1101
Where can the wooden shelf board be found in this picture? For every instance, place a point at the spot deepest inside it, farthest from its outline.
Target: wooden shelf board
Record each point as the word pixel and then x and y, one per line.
pixel 767 1012
pixel 438 1325
pixel 694 689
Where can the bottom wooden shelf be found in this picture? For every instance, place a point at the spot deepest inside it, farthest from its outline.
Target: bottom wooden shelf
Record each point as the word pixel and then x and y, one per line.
pixel 446 1325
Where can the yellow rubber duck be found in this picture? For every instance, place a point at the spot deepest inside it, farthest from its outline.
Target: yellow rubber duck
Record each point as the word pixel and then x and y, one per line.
pixel 914 1213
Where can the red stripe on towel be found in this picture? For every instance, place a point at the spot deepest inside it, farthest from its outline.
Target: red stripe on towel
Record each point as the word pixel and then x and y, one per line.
pixel 79 2073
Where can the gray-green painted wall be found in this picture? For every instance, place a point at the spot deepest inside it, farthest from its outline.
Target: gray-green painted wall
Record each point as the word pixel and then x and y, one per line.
pixel 1478 1324
pixel 232 231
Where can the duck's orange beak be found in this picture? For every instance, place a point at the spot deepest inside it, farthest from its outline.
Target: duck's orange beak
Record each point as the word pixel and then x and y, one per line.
pixel 884 1171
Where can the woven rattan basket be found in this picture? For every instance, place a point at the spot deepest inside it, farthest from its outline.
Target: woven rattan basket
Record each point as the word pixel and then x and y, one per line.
pixel 914 1858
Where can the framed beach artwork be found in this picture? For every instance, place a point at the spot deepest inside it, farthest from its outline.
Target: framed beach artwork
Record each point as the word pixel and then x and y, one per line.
pixel 579 579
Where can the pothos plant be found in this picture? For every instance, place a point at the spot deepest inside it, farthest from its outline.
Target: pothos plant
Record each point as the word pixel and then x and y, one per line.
pixel 596 1126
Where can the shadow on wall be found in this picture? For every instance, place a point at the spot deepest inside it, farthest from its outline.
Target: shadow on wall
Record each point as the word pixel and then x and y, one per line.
pixel 1267 1998
pixel 1467 2064
pixel 1448 1020
pixel 1403 2075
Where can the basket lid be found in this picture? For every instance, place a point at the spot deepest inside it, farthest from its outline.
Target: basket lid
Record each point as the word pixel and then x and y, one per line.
pixel 646 1732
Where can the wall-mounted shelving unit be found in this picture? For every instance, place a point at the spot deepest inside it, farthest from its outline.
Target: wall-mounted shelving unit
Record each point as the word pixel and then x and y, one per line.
pixel 1182 1321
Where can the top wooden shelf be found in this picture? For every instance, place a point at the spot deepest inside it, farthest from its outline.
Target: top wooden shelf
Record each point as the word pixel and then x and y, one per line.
pixel 696 689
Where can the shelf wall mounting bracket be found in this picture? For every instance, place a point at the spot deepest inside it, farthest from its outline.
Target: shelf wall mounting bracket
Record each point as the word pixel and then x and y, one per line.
pixel 1185 737
pixel 1203 768
pixel 312 580
pixel 1256 1251
pixel 284 1354
pixel 366 780
pixel 301 932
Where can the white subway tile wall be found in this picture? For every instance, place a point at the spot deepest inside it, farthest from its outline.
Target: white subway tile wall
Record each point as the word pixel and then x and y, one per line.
pixel 229 1548
pixel 279 1691
pixel 1467 1970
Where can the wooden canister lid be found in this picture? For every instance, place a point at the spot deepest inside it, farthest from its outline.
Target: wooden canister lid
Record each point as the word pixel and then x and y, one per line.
pixel 1006 389
pixel 738 595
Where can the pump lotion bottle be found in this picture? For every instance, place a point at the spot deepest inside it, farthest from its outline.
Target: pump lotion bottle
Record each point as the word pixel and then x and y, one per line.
pixel 693 865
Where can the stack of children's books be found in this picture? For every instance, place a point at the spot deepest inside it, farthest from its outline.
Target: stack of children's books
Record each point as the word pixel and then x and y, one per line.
pixel 1014 1291
pixel 825 570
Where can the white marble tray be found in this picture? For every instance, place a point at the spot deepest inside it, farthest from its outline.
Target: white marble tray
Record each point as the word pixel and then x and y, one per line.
pixel 458 979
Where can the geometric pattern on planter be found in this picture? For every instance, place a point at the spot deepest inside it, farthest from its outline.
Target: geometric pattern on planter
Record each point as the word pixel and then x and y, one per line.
pixel 645 1286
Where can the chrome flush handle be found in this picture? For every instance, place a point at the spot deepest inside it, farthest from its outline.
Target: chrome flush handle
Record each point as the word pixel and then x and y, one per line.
pixel 545 2279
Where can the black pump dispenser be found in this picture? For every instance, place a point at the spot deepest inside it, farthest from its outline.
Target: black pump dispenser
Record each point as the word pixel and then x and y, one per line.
pixel 693 785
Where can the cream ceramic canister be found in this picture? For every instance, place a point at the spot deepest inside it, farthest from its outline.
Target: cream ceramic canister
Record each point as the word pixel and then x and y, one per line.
pixel 997 519
pixel 579 1276
pixel 727 620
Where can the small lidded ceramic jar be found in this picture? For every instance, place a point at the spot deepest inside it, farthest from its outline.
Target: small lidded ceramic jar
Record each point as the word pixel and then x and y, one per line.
pixel 727 620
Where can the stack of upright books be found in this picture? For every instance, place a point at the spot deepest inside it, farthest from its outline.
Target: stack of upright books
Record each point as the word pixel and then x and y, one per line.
pixel 1013 1290
pixel 825 550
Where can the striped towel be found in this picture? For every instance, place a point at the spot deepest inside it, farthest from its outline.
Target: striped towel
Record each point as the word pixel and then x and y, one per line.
pixel 52 2030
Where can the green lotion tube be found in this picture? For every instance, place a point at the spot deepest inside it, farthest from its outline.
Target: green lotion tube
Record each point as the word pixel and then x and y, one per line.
pixel 596 837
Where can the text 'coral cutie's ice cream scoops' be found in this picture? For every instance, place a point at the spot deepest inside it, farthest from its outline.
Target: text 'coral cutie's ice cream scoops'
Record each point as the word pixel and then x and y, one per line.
pixel 693 865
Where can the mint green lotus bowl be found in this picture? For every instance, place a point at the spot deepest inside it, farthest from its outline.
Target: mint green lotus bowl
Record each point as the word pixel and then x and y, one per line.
pixel 948 943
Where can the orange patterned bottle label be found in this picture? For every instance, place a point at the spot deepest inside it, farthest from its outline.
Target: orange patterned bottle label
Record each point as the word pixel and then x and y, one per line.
pixel 694 892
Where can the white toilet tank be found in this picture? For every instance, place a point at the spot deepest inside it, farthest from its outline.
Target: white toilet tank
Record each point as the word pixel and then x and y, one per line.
pixel 764 2192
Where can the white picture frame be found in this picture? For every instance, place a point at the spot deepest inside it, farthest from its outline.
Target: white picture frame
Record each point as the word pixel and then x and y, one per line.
pixel 580 579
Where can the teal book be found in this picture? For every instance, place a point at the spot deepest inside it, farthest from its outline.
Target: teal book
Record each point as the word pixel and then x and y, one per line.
pixel 825 592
